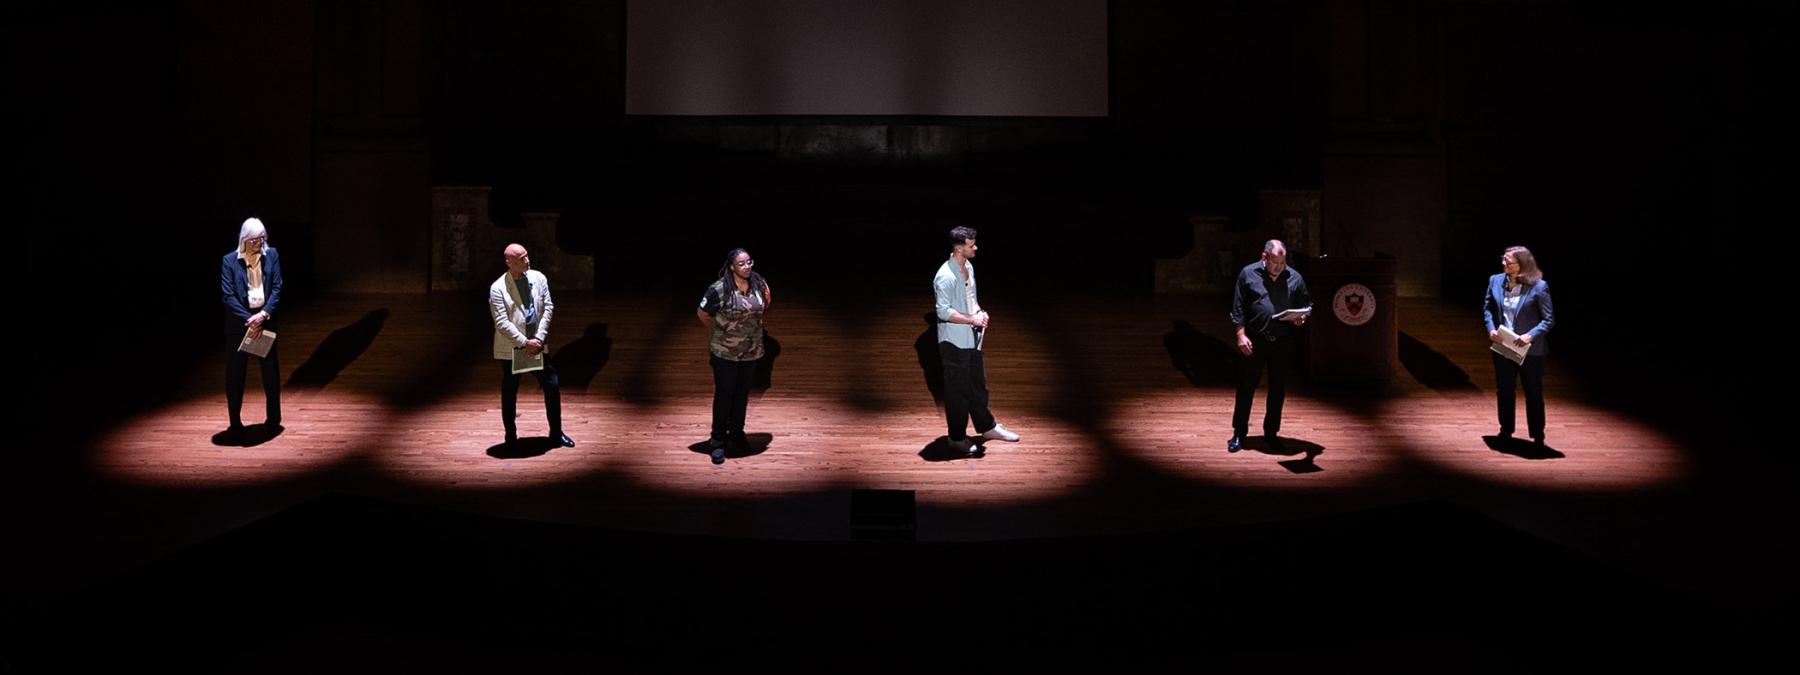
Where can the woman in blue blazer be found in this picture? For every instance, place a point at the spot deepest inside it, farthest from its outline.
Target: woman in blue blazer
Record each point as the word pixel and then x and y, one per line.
pixel 1518 299
pixel 250 286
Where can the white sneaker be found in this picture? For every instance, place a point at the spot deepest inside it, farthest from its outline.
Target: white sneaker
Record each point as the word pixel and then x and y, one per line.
pixel 1000 433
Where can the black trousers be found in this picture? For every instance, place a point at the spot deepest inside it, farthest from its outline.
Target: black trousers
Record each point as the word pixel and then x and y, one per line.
pixel 1507 375
pixel 731 396
pixel 965 390
pixel 235 367
pixel 1278 356
pixel 509 396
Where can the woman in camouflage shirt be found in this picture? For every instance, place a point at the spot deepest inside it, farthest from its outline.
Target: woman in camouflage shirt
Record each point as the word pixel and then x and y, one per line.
pixel 733 309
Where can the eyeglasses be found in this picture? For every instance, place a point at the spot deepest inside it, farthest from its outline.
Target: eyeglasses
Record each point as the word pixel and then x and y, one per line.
pixel 747 264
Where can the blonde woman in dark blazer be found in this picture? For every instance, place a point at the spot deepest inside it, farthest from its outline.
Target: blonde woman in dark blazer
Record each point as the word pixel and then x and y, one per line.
pixel 250 288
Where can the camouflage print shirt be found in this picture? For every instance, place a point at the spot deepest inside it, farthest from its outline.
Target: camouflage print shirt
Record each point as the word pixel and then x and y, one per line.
pixel 737 327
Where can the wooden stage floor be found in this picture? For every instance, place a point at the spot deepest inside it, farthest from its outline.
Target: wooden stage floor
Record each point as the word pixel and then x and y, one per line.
pixel 1124 406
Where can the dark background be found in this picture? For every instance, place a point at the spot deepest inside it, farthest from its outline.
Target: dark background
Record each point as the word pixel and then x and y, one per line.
pixel 1628 146
pixel 1637 149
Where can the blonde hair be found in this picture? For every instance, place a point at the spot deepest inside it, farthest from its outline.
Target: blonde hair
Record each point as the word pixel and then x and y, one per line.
pixel 252 227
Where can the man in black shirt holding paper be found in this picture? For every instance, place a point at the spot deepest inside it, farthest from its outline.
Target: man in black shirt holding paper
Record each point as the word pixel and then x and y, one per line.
pixel 1264 289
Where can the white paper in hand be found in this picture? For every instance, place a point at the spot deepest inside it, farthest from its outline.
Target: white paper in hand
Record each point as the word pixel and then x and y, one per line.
pixel 257 343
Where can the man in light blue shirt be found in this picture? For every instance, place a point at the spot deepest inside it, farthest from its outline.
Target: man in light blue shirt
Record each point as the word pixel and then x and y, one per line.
pixel 961 325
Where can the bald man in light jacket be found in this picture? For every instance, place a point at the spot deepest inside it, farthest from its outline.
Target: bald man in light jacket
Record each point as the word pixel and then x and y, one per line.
pixel 519 302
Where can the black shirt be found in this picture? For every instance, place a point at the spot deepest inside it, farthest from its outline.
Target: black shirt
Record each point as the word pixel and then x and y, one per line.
pixel 1256 299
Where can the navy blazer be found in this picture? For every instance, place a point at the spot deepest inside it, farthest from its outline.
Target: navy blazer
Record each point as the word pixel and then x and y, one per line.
pixel 1535 313
pixel 234 285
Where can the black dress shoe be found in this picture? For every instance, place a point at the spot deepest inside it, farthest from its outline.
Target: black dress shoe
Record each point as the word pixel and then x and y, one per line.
pixel 232 435
pixel 967 446
pixel 1538 439
pixel 512 437
pixel 564 439
pixel 1274 442
pixel 718 454
pixel 738 441
pixel 1236 443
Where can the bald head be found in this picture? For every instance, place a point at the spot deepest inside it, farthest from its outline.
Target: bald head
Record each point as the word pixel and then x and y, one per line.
pixel 517 260
pixel 1274 257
